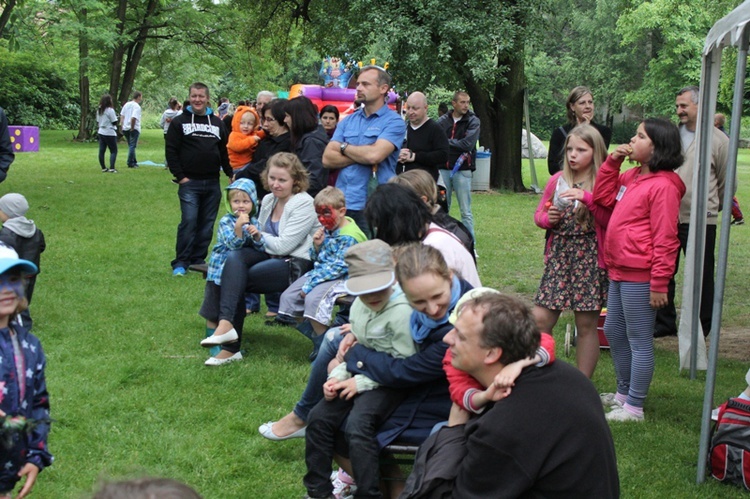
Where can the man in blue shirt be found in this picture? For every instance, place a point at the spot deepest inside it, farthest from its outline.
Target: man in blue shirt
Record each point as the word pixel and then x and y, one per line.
pixel 367 143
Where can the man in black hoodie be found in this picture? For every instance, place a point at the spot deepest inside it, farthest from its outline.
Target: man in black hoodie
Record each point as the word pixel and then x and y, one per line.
pixel 196 150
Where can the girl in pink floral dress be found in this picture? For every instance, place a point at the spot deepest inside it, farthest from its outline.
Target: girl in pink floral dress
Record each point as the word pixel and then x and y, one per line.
pixel 574 277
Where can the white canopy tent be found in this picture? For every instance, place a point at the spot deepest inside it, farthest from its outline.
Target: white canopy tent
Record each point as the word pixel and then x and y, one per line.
pixel 731 31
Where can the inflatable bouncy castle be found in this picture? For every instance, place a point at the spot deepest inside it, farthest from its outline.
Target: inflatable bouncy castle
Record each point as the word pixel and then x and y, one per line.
pixel 342 98
pixel 336 73
pixel 337 76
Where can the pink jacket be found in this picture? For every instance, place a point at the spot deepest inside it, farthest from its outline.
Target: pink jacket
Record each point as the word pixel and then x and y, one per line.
pixel 641 243
pixel 601 217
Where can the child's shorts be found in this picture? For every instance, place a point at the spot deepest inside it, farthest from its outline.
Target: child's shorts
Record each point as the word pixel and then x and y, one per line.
pixel 211 301
pixel 317 305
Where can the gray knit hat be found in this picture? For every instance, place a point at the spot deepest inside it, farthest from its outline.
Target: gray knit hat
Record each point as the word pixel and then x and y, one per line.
pixel 14 205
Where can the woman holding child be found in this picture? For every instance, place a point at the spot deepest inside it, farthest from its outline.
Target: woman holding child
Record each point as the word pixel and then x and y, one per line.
pixel 286 225
pixel 432 290
pixel 277 139
pixel 308 140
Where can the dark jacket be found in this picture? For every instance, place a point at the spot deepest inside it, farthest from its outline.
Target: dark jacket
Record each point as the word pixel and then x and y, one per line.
pixel 462 137
pixel 267 148
pixel 6 150
pixel 548 438
pixel 428 401
pixel 557 143
pixel 430 147
pixel 30 448
pixel 196 146
pixel 310 151
pixel 28 248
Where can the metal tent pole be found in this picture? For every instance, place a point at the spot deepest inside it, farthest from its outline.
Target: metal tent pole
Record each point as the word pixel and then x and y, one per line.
pixel 731 181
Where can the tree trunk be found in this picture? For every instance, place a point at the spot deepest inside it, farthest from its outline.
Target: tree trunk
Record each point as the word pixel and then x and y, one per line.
pixel 117 56
pixel 508 102
pixel 135 53
pixel 501 115
pixel 5 16
pixel 83 76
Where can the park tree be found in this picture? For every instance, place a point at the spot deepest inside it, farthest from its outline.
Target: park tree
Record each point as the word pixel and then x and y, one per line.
pixel 669 36
pixel 475 46
pixel 8 7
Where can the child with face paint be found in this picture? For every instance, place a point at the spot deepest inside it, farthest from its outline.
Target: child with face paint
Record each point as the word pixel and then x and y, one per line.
pixel 313 295
pixel 23 390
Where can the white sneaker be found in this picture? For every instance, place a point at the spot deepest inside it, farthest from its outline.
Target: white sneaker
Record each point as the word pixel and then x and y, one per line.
pixel 609 401
pixel 622 414
pixel 213 361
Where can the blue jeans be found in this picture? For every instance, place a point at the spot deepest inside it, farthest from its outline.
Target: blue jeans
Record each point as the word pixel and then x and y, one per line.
pixel 199 204
pixel 132 136
pixel 252 301
pixel 318 374
pixel 461 184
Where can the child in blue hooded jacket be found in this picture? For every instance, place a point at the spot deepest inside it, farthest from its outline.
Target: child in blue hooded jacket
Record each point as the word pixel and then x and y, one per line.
pixel 24 401
pixel 233 233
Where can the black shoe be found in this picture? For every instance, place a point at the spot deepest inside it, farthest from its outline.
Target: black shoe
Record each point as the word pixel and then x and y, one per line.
pixel 104 170
pixel 661 333
pixel 280 320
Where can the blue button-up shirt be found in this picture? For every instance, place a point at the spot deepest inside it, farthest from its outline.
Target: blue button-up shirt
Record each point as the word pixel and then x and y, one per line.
pixel 361 130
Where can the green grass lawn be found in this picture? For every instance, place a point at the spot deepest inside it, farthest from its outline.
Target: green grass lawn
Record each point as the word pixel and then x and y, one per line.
pixel 130 395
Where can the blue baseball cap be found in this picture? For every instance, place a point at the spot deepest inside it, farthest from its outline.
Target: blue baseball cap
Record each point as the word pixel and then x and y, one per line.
pixel 9 260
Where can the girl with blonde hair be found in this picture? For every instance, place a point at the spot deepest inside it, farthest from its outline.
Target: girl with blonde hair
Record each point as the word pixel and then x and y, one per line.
pixel 574 276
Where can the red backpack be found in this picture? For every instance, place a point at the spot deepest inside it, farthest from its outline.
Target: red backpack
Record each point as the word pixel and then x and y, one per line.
pixel 729 456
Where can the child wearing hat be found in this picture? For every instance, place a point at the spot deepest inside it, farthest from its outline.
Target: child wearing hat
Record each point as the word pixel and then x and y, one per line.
pixel 22 235
pixel 233 233
pixel 24 403
pixel 379 319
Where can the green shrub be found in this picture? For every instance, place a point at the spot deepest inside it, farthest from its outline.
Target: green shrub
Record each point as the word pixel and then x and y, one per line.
pixel 34 92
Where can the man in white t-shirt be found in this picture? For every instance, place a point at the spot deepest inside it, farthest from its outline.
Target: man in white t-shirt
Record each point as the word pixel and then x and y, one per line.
pixel 130 120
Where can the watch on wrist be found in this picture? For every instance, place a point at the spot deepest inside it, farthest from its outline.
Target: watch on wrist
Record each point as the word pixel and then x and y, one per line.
pixel 343 147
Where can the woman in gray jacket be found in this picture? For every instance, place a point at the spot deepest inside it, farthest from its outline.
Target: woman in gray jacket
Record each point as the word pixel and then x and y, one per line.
pixel 287 222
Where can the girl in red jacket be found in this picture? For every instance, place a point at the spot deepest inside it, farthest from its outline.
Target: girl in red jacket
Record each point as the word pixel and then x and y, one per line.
pixel 640 250
pixel 575 277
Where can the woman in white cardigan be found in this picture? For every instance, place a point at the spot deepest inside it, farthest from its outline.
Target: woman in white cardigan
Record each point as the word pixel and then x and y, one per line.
pixel 287 222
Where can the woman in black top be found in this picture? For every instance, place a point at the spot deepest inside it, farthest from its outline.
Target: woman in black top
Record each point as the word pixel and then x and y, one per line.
pixel 580 106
